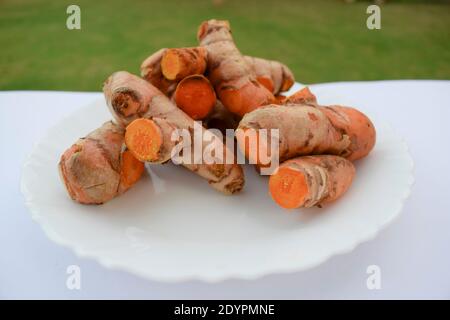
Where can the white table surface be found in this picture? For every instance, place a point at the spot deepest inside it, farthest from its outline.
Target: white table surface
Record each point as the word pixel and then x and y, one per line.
pixel 413 253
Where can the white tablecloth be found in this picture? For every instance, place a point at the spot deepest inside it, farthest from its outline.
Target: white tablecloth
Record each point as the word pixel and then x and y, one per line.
pixel 413 253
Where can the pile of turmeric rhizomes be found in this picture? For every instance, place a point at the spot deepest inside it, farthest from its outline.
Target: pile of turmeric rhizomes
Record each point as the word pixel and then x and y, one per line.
pixel 216 84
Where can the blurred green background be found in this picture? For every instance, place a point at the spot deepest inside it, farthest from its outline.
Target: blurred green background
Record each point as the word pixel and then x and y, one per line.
pixel 321 40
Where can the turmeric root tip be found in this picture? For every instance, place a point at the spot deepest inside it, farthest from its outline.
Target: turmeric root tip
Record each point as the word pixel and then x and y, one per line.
pixel 144 139
pixel 195 96
pixel 356 125
pixel 288 188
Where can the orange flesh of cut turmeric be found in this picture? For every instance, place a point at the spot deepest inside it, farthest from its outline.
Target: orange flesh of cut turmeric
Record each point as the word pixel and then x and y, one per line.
pixel 288 188
pixel 170 64
pixel 151 71
pixel 132 169
pixel 144 138
pixel 195 96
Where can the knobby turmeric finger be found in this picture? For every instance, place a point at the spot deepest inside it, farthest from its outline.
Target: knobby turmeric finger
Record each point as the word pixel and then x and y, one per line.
pixel 302 130
pixel 311 180
pixel 98 168
pixel 234 80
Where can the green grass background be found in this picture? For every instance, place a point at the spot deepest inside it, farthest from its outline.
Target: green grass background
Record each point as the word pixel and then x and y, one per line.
pixel 322 40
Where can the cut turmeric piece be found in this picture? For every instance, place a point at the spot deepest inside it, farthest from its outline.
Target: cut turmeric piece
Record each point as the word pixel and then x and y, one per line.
pixel 310 181
pixel 302 130
pixel 195 96
pixel 178 63
pixel 152 72
pixel 288 187
pixel 97 168
pixel 307 128
pixel 144 138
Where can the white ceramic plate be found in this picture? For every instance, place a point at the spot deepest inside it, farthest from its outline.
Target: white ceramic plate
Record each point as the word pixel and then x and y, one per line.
pixel 172 226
